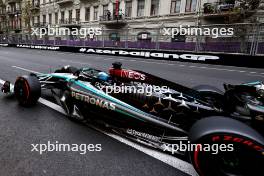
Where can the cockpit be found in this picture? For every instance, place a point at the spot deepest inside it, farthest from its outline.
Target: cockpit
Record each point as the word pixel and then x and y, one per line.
pixel 92 75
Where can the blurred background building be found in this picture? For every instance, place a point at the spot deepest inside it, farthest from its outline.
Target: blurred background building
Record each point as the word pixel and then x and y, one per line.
pixel 138 23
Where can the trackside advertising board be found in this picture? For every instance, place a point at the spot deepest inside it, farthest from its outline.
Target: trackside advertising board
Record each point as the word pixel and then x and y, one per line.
pixel 207 58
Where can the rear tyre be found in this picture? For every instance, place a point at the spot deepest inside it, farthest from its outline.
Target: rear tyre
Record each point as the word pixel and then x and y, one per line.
pixel 27 90
pixel 235 148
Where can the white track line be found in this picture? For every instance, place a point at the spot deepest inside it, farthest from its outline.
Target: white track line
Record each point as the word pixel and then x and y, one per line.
pixel 256 75
pixel 165 158
pixel 52 105
pixel 31 71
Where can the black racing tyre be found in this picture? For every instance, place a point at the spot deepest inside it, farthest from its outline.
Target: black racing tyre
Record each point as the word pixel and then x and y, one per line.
pixel 236 149
pixel 27 90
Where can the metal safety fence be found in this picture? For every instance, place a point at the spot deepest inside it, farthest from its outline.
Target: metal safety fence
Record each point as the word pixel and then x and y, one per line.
pixel 246 38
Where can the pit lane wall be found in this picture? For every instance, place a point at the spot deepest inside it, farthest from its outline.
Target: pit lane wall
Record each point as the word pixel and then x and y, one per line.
pixel 240 60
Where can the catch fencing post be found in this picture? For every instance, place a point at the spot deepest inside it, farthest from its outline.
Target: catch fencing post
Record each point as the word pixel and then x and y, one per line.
pixel 103 38
pixel 157 38
pixel 257 39
pixel 126 43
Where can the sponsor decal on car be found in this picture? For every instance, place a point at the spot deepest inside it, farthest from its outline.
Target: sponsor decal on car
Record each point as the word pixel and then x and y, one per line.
pixel 133 75
pixel 144 135
pixel 94 101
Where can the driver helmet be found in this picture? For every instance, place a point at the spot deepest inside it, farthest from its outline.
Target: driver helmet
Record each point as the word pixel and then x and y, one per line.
pixel 103 76
pixel 260 89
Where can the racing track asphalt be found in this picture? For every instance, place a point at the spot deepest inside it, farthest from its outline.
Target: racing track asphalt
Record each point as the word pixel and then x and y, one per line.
pixel 20 127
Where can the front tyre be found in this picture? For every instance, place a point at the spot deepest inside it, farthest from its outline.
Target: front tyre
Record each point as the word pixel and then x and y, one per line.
pixel 235 148
pixel 27 90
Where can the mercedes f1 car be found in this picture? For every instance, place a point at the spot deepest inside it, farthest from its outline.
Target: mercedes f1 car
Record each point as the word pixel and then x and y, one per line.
pixel 158 113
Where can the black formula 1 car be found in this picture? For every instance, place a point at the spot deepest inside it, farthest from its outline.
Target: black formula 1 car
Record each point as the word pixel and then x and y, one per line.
pixel 222 132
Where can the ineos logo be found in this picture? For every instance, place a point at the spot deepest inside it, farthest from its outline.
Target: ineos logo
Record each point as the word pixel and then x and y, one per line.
pixel 133 75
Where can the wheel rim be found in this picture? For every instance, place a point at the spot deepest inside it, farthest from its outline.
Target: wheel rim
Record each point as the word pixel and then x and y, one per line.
pixel 22 90
pixel 230 165
pixel 240 162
